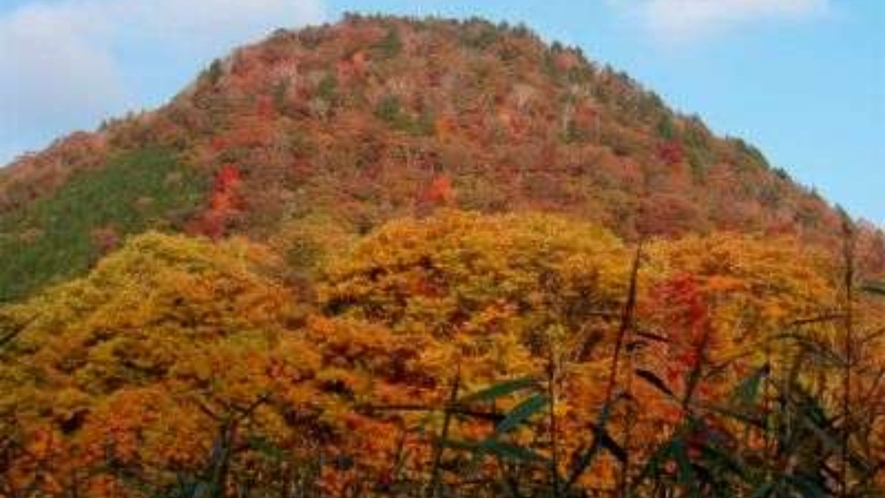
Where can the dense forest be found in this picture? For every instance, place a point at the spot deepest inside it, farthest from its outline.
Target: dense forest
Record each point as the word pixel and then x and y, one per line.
pixel 437 258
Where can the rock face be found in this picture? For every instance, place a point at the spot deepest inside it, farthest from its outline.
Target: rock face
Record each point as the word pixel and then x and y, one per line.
pixel 374 118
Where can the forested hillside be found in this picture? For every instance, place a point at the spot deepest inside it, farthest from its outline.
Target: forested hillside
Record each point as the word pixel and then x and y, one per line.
pixel 430 258
pixel 371 119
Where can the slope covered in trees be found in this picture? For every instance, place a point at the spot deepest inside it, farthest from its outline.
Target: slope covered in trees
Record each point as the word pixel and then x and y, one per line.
pixel 395 257
pixel 180 360
pixel 374 118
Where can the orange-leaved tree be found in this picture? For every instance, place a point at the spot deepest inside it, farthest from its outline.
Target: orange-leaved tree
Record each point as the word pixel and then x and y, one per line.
pixel 124 376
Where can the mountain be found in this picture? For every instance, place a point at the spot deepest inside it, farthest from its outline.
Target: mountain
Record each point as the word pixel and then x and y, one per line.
pixel 401 258
pixel 374 118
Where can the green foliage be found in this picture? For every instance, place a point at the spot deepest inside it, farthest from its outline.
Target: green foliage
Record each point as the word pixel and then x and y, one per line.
pixel 574 133
pixel 416 296
pixel 328 88
pixel 214 72
pixel 391 45
pixel 448 106
pixel 480 35
pixel 782 173
pixel 665 128
pixel 279 94
pixel 500 443
pixel 752 152
pixel 168 322
pixel 390 110
pixel 54 239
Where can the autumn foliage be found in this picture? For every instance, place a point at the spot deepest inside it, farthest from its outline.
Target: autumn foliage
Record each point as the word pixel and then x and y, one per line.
pixel 376 118
pixel 392 257
pixel 224 203
pixel 134 369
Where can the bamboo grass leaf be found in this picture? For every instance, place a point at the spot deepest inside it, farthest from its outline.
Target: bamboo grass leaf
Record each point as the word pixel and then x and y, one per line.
pixel 585 458
pixel 766 490
pixel 874 287
pixel 685 474
pixel 512 452
pixel 521 413
pixel 609 443
pixel 808 488
pixel 499 390
pixel 655 381
pixel 748 390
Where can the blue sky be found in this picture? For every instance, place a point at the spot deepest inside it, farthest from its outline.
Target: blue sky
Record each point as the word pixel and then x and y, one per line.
pixel 802 79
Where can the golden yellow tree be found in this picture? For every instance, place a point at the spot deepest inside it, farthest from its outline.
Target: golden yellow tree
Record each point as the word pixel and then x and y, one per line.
pixel 130 370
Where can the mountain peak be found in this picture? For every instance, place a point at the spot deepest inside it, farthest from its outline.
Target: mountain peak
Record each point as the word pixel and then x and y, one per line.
pixel 364 120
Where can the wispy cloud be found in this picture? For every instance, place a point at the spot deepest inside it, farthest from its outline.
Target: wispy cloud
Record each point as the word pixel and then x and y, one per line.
pixel 64 62
pixel 691 20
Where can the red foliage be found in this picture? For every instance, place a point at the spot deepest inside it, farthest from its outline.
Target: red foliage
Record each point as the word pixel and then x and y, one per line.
pixel 684 299
pixel 781 227
pixel 33 176
pixel 224 203
pixel 251 132
pixel 352 68
pixel 566 61
pixel 440 191
pixel 224 188
pixel 671 152
pixel 667 214
pixel 487 120
pixel 301 169
pixel 218 143
pixel 683 308
pixel 870 249
pixel 265 107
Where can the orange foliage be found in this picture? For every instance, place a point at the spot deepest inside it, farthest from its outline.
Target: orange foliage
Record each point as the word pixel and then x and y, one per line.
pixel 138 364
pixel 440 191
pixel 225 203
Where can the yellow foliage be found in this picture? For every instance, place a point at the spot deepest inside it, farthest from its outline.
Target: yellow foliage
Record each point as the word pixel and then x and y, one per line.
pixel 141 361
pixel 126 361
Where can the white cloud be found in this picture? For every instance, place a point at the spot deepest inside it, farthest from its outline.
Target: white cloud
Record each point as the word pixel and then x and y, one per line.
pixel 63 62
pixel 686 20
pixel 55 68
